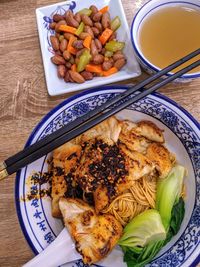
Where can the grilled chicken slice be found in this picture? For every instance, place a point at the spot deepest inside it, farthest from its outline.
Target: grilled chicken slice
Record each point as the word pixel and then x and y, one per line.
pixel 108 131
pixel 94 236
pixel 137 137
pixel 161 157
pixel 64 159
pixel 149 130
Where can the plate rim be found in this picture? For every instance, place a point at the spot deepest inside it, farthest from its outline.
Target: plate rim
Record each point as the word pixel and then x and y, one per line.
pixel 59 106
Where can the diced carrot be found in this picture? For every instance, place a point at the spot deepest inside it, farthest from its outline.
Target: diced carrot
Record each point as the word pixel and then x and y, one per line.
pixel 87 41
pixel 105 35
pixel 66 28
pixel 70 48
pixel 104 9
pixel 110 71
pixel 94 68
pixel 73 67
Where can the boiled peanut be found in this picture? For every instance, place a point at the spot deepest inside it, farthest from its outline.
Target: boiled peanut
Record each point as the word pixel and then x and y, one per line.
pixel 61 70
pixel 107 65
pixel 98 45
pixel 87 75
pixel 58 52
pixel 77 17
pixel 66 55
pixel 57 17
pixel 93 48
pixel 54 42
pixel 83 35
pixel 63 45
pixel 94 9
pixel 78 44
pixel 89 30
pixel 105 21
pixel 52 25
pixel 97 17
pixel 67 77
pixel 68 65
pixel 67 35
pixel 70 19
pixel 120 63
pixel 86 20
pixel 98 26
pixel 98 59
pixel 58 60
pixel 118 55
pixel 95 31
pixel 76 77
pixel 61 22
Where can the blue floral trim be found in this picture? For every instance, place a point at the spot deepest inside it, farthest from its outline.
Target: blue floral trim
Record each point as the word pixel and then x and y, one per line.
pixel 71 5
pixel 190 239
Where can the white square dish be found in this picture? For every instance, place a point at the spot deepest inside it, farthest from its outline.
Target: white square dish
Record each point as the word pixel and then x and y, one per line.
pixel 58 86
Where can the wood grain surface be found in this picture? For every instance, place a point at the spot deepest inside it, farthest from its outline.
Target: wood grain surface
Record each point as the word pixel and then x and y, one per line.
pixel 24 101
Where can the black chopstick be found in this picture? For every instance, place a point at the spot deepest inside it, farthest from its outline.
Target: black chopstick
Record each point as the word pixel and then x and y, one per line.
pixel 42 150
pixel 24 153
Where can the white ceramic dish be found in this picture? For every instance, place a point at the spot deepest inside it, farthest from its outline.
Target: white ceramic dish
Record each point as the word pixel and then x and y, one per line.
pixel 58 86
pixel 142 14
pixel 182 134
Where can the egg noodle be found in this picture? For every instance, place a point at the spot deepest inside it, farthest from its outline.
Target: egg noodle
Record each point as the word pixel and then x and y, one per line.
pixel 140 197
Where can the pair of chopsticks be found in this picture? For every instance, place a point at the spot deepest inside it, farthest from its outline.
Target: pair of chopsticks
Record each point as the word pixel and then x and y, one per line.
pixel 99 114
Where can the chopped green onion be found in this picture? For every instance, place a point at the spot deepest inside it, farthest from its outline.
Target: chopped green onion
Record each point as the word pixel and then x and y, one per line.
pixel 115 23
pixel 85 11
pixel 114 46
pixel 80 29
pixel 84 60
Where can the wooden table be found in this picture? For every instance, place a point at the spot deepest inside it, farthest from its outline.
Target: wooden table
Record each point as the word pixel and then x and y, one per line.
pixel 24 101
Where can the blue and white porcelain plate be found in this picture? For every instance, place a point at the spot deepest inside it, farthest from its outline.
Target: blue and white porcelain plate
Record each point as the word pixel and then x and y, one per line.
pixel 182 135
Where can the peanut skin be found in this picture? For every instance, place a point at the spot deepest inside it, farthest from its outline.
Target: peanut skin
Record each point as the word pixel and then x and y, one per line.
pixel 87 75
pixel 61 71
pixel 97 17
pixel 107 65
pixel 54 42
pixel 105 21
pixel 69 16
pixel 95 31
pixel 89 30
pixel 58 60
pixel 63 45
pixel 76 77
pixel 66 55
pixel 94 50
pixel 94 10
pixel 77 17
pixel 98 26
pixel 98 59
pixel 57 17
pixel 86 20
pixel 83 35
pixel 120 63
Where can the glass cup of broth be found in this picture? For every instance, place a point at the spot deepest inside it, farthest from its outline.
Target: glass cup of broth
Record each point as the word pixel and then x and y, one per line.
pixel 162 32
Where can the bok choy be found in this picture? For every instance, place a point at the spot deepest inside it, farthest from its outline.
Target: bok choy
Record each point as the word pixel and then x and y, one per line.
pixel 148 232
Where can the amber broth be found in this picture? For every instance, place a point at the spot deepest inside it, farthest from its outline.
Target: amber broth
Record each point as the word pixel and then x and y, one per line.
pixel 170 33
